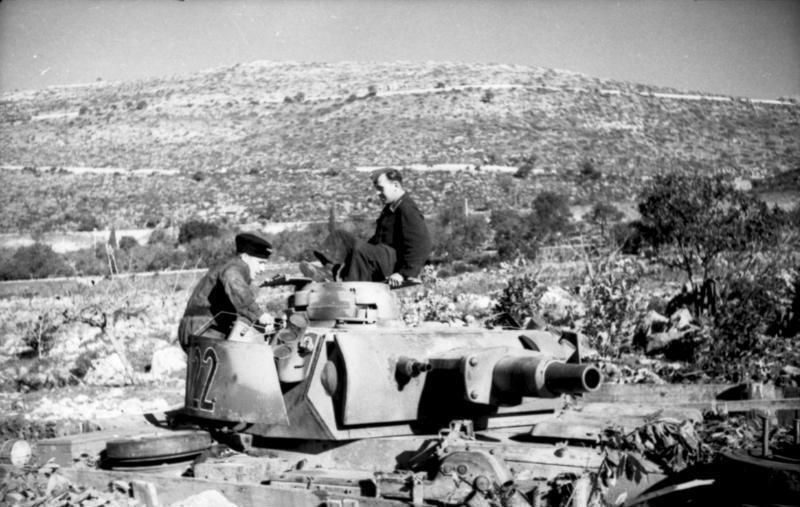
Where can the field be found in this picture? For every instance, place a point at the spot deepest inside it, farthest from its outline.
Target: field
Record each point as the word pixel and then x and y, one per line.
pixel 262 143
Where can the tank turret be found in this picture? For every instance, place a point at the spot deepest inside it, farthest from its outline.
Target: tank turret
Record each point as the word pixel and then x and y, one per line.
pixel 351 402
pixel 346 367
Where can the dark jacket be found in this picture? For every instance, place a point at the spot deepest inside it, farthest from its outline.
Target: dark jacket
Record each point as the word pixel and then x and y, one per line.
pixel 224 288
pixel 402 227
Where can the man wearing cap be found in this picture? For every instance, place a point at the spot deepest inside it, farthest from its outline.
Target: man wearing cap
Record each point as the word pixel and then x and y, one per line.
pixel 395 253
pixel 224 292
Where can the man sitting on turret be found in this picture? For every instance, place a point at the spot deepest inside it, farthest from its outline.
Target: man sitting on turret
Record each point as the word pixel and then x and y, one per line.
pixel 224 292
pixel 396 252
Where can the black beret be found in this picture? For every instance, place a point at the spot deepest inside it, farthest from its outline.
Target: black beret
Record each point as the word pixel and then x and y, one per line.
pixel 253 244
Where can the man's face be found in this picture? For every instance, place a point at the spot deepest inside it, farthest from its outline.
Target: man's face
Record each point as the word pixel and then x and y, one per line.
pixel 257 265
pixel 389 191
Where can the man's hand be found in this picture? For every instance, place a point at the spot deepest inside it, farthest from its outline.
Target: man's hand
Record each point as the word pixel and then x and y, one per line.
pixel 266 320
pixel 395 280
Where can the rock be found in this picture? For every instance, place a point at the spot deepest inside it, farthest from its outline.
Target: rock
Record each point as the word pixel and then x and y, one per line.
pixel 681 319
pixel 208 498
pixel 167 361
pixel 652 323
pixel 558 305
pixel 658 342
pixel 107 371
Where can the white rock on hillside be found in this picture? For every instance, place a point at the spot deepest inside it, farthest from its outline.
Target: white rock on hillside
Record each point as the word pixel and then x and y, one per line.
pixel 107 371
pixel 167 361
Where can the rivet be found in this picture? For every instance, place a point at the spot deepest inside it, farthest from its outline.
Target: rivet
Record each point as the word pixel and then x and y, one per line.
pixel 473 360
pixel 473 395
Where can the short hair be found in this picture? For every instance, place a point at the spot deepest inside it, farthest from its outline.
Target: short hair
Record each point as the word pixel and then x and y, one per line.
pixel 391 173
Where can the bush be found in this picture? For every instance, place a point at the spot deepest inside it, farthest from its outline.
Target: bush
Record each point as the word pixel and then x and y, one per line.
pixel 84 220
pixel 514 234
pixel 551 215
pixel 127 242
pixel 159 236
pixel 602 215
pixel 456 236
pixel 523 171
pixel 753 314
pixel 196 229
pixel 207 252
pixel 299 245
pixel 634 238
pixel 88 261
pixel 34 261
pixel 518 299
pixel 588 171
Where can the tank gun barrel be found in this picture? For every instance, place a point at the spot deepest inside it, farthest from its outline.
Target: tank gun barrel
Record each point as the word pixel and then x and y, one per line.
pixel 535 376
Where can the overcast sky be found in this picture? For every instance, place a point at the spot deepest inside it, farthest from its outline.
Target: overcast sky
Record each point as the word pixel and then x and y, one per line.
pixel 738 47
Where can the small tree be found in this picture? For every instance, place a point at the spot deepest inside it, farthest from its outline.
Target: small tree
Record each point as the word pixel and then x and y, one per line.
pixel 701 217
pixel 603 214
pixel 551 215
pixel 457 235
pixel 514 234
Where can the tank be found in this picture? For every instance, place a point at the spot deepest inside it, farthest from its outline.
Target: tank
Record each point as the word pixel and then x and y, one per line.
pixel 347 400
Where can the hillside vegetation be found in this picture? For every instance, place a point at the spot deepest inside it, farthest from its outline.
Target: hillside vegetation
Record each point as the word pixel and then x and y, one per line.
pixel 270 141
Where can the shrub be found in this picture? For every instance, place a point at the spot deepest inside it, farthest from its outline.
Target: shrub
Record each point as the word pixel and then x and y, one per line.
pixel 127 242
pixel 299 245
pixel 523 171
pixel 34 261
pixel 551 215
pixel 457 236
pixel 40 335
pixel 84 220
pixel 752 313
pixel 88 261
pixel 518 299
pixel 634 238
pixel 159 236
pixel 208 251
pixel 588 171
pixel 156 257
pixel 514 234
pixel 602 215
pixel 487 97
pixel 195 229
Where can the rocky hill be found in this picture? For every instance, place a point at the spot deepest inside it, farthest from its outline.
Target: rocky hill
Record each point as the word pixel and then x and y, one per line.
pixel 280 141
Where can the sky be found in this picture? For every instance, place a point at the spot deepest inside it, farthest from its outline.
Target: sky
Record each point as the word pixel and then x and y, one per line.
pixel 736 47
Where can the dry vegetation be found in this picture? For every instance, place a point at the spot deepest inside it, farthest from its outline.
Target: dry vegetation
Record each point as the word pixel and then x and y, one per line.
pixel 267 141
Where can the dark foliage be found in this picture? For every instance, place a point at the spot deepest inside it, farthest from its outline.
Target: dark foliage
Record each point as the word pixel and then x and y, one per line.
pixel 514 234
pixel 127 242
pixel 196 229
pixel 34 261
pixel 603 216
pixel 457 236
pixel 702 217
pixel 551 216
